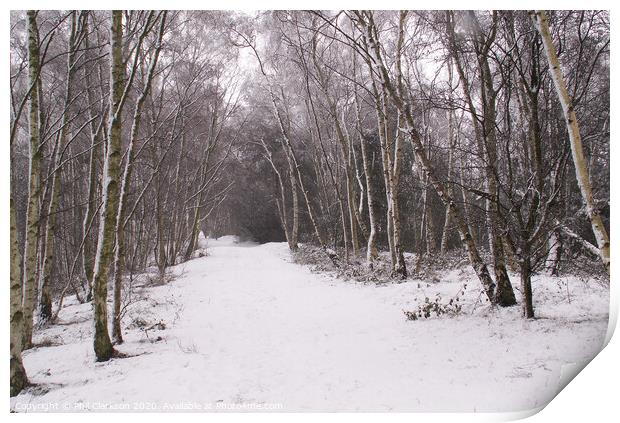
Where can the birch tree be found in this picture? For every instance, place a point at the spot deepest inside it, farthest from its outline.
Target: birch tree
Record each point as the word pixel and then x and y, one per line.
pixel 541 23
pixel 119 250
pixel 97 134
pixel 19 379
pixel 34 182
pixel 45 298
pixel 111 178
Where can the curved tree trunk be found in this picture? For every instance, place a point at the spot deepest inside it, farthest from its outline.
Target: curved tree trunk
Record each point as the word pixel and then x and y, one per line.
pixel 581 169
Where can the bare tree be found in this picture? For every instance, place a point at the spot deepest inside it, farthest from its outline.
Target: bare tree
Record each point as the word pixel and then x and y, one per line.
pixel 572 125
pixel 18 376
pixel 34 184
pixel 111 174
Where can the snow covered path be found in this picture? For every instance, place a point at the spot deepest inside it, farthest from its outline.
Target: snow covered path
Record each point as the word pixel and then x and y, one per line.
pixel 247 329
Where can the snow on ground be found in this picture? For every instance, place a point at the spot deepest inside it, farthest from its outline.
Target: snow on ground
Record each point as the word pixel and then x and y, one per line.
pixel 247 330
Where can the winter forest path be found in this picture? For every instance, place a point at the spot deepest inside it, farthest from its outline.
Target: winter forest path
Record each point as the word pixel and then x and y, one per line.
pixel 247 329
pixel 263 330
pixel 267 330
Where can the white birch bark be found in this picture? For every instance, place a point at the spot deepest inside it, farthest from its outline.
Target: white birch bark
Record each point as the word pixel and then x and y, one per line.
pixel 111 174
pixel 45 298
pixel 119 250
pixel 19 379
pixel 371 247
pixel 552 265
pixel 34 183
pixel 581 169
pixel 95 154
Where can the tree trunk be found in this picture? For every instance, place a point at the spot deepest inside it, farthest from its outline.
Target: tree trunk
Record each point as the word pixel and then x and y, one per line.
pixel 19 379
pixel 295 194
pixel 119 250
pixel 194 230
pixel 386 161
pixel 451 145
pixel 581 168
pixel 554 257
pixel 344 142
pixel 295 176
pixel 429 224
pixel 160 248
pixel 280 203
pixel 34 183
pixel 96 152
pixel 371 247
pixel 111 174
pixel 45 298
pixel 400 267
pixel 526 284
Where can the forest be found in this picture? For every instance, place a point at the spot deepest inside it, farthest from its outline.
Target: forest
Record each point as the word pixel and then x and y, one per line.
pixel 381 144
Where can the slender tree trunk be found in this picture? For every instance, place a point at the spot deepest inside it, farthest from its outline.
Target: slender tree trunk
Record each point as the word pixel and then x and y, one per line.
pixel 526 282
pixel 352 207
pixel 384 140
pixel 391 156
pixel 291 173
pixel 175 225
pixel 19 379
pixel 295 176
pixel 34 183
pixel 581 169
pixel 45 297
pixel 504 293
pixel 371 248
pixel 400 268
pixel 194 230
pixel 466 214
pixel 111 175
pixel 281 203
pixel 359 209
pixel 161 242
pixel 319 138
pixel 451 146
pixel 344 142
pixel 295 228
pixel 429 225
pixel 554 257
pixel 96 151
pixel 119 250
